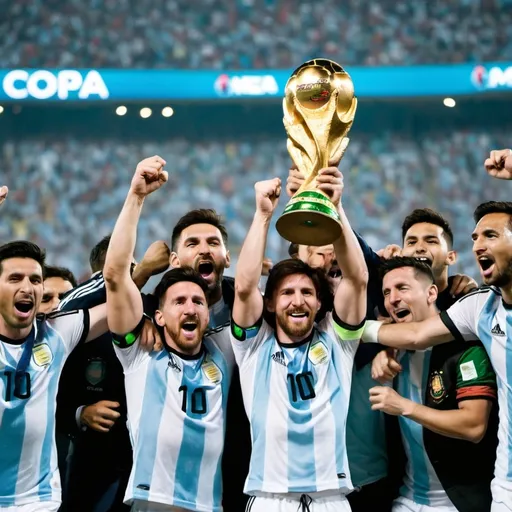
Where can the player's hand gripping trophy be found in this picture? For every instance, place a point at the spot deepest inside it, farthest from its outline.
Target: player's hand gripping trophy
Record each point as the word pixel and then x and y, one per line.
pixel 319 108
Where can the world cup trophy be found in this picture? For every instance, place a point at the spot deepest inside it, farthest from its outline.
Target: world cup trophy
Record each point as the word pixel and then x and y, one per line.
pixel 319 108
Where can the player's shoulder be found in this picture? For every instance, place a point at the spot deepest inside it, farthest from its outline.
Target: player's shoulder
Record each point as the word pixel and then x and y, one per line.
pixel 480 296
pixel 56 315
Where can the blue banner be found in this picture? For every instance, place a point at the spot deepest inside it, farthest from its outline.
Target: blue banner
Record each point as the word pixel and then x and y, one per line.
pixel 158 85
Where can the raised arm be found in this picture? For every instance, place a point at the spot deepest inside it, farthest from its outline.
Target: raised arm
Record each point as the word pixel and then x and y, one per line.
pixel 350 297
pixel 248 305
pixel 124 302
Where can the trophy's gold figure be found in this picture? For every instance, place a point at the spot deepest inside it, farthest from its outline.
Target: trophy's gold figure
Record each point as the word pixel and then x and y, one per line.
pixel 319 108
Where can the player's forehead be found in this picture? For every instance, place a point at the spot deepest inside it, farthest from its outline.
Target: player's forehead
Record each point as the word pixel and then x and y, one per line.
pixel 23 266
pixel 494 221
pixel 295 281
pixel 424 229
pixel 184 289
pixel 398 276
pixel 57 285
pixel 200 231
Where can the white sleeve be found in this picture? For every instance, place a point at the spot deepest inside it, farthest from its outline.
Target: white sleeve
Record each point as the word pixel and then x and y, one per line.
pixel 71 326
pixel 347 336
pixel 246 341
pixel 462 318
pixel 131 357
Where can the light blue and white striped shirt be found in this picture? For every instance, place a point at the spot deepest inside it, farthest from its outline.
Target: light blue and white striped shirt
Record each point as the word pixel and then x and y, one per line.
pixel 176 418
pixel 296 397
pixel 484 315
pixel 28 455
pixel 421 483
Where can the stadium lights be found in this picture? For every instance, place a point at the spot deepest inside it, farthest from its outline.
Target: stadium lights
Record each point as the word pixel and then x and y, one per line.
pixel 449 102
pixel 145 112
pixel 167 111
pixel 1 109
pixel 121 110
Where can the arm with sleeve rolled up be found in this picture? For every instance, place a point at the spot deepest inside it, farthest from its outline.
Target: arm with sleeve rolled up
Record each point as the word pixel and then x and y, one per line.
pixel 124 302
pixel 248 305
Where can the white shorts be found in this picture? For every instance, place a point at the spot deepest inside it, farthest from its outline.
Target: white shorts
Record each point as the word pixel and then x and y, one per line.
pixel 402 504
pixel 288 503
pixel 39 506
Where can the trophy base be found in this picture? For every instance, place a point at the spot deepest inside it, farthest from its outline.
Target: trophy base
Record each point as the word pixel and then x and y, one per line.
pixel 309 219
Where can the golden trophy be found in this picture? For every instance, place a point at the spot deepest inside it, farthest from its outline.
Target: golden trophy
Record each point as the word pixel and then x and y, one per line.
pixel 319 108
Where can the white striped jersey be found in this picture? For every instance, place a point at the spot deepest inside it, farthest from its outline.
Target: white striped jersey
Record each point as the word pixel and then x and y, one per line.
pixel 296 397
pixel 484 315
pixel 28 458
pixel 421 484
pixel 176 419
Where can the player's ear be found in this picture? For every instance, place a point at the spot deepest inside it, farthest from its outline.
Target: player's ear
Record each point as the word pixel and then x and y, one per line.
pixel 432 293
pixel 269 305
pixel 451 257
pixel 159 318
pixel 174 260
pixel 228 259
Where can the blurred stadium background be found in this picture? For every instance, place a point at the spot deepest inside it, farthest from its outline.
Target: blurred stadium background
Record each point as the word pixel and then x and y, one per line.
pixel 89 88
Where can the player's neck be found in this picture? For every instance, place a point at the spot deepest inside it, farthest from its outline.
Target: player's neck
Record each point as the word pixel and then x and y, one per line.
pixel 506 293
pixel 13 333
pixel 215 294
pixel 442 281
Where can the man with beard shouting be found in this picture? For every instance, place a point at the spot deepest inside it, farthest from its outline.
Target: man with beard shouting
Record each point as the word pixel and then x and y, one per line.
pixel 296 373
pixel 176 397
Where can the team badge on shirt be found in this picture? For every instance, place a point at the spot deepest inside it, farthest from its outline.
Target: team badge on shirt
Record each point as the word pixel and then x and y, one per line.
pixel 318 353
pixel 437 389
pixel 95 371
pixel 211 371
pixel 42 355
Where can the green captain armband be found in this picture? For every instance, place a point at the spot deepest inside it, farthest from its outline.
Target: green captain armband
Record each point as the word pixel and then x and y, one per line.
pixel 244 333
pixel 127 340
pixel 345 331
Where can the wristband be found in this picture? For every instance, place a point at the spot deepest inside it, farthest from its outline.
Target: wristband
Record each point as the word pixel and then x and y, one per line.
pixel 371 331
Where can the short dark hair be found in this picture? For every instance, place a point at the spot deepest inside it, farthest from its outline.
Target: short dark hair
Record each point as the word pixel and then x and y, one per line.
pixel 200 216
pixel 420 267
pixel 293 266
pixel 63 273
pixel 293 250
pixel 98 254
pixel 177 275
pixel 22 249
pixel 431 217
pixel 493 207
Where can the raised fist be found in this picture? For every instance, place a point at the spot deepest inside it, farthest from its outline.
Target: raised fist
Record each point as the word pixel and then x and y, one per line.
pixel 149 176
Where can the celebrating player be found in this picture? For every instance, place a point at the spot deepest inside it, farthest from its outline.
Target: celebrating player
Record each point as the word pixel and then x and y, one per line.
pixel 32 354
pixel 484 314
pixel 449 391
pixel 176 397
pixel 296 374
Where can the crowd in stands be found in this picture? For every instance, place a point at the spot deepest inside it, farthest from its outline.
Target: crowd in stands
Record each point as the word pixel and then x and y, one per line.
pixel 65 195
pixel 240 34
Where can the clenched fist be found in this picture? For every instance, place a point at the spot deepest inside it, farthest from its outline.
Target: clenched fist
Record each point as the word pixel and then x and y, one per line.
pixel 499 164
pixel 267 195
pixel 156 258
pixel 149 176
